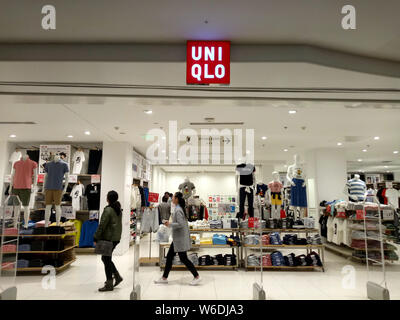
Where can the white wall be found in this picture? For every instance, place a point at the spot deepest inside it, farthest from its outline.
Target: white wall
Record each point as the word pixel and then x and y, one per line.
pixel 222 183
pixel 4 156
pixel 158 183
pixel 117 175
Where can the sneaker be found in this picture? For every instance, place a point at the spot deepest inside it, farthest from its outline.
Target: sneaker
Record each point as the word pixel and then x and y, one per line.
pixel 195 281
pixel 161 281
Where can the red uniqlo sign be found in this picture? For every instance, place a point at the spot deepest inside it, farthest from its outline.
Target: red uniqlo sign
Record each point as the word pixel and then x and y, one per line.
pixel 208 62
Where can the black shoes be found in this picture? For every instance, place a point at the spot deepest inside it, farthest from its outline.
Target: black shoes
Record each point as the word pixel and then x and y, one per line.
pixel 108 286
pixel 118 279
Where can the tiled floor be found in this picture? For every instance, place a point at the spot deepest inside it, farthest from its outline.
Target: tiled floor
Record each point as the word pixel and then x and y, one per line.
pixel 83 278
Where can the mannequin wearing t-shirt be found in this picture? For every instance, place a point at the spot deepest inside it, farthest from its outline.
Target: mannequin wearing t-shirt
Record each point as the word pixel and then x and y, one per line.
pixel 187 188
pixel 55 172
pixel 355 189
pixel 297 178
pixel 392 196
pixel 245 186
pixel 23 181
pixel 275 188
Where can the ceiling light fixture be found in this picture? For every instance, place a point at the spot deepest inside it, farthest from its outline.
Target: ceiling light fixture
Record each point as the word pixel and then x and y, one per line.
pixel 359 160
pixel 386 167
pixel 339 143
pixel 285 150
pixel 395 152
pixel 12 136
pixel 70 136
pixel 264 138
pixel 292 111
pixel 248 151
pixel 376 138
pixel 148 111
pixel 364 150
pixel 87 133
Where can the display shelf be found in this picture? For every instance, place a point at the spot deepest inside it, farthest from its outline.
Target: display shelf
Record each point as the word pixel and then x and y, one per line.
pixel 42 235
pixel 214 230
pixel 36 269
pixel 298 230
pixel 285 246
pixel 41 252
pixel 84 250
pixel 212 267
pixel 373 249
pixel 165 245
pixel 286 268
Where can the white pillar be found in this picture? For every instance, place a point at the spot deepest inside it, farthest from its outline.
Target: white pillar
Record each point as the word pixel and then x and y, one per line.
pixel 326 175
pixel 396 176
pixel 117 175
pixel 265 174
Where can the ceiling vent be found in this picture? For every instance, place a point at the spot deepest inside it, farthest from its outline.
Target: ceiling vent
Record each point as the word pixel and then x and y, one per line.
pixel 16 122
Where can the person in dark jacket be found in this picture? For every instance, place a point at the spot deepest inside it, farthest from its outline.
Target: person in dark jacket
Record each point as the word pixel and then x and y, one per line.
pixel 110 229
pixel 181 242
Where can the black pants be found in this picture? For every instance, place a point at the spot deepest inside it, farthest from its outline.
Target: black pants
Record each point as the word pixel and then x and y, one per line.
pixel 94 161
pixel 183 257
pixel 242 198
pixel 109 266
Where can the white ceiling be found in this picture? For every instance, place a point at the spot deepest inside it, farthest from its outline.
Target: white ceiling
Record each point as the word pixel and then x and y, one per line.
pixel 312 22
pixel 315 125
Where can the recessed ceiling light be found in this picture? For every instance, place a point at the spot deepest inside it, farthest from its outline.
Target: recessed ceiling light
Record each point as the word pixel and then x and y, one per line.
pixel 70 136
pixel 395 152
pixel 163 151
pixel 359 160
pixel 376 138
pixel 12 136
pixel 386 166
pixel 148 111
pixel 163 138
pixel 248 151
pixel 364 150
pixel 286 150
pixel 87 133
pixel 264 138
pixel 292 111
pixel 387 171
pixel 339 143
pixel 173 151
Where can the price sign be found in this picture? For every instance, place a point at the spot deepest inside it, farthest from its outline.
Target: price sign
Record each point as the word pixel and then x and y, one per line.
pixel 73 178
pixel 67 212
pixel 7 178
pixel 93 214
pixel 153 197
pixel 40 178
pixel 8 212
pixel 95 178
pixel 360 214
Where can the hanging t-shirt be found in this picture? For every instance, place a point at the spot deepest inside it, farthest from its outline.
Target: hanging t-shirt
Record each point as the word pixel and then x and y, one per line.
pixel 92 193
pixel 15 156
pixel 262 189
pixel 187 189
pixel 24 170
pixel 329 225
pixel 393 197
pixel 246 170
pixel 275 186
pixel 77 160
pixel 76 194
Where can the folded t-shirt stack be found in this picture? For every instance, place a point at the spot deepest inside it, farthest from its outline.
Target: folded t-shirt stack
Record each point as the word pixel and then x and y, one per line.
pixel 9 248
pixel 206 260
pixel 301 260
pixel 219 239
pixel 10 232
pixel 215 224
pixel 24 247
pixel 253 260
pixel 290 260
pixel 275 238
pixel 229 260
pixel 277 259
pixel 218 260
pixel 289 239
pixel 315 239
pixel 22 263
pixel 194 258
pixel 313 259
pixel 26 231
pixel 266 260
pixel 36 263
pixel 252 239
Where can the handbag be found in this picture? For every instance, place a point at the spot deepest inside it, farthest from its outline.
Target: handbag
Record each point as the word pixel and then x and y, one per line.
pixel 104 248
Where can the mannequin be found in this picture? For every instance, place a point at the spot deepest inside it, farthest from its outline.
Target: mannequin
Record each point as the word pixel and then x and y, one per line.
pixel 298 193
pixel 392 195
pixel 275 188
pixel 355 189
pixel 23 181
pixel 245 186
pixel 55 172
pixel 187 188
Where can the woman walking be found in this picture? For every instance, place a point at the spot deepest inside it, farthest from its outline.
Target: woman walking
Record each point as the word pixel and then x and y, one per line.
pixel 110 229
pixel 181 242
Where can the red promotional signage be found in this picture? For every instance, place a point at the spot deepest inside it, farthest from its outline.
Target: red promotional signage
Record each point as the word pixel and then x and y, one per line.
pixel 360 215
pixel 40 178
pixel 208 62
pixel 153 197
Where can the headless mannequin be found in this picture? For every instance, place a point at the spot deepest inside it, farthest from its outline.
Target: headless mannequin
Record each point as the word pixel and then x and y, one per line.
pixel 248 188
pixel 181 188
pixel 58 207
pixel 26 209
pixel 346 189
pixel 275 212
pixel 296 171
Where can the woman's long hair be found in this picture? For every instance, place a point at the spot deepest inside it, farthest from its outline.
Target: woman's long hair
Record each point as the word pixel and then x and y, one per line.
pixel 112 198
pixel 181 201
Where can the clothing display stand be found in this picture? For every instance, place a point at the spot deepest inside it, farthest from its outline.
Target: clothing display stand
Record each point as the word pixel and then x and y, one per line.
pixel 9 215
pixel 136 288
pixel 149 261
pixel 375 291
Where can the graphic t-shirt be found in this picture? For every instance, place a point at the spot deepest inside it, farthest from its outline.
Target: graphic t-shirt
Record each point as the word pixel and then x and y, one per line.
pixel 15 156
pixel 393 197
pixel 187 189
pixel 275 186
pixel 262 189
pixel 92 193
pixel 76 194
pixel 246 170
pixel 55 174
pixel 24 170
pixel 77 160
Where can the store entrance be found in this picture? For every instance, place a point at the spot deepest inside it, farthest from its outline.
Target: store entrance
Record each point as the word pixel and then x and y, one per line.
pixel 277 184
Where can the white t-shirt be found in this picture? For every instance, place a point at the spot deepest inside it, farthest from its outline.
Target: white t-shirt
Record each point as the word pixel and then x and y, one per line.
pixel 77 159
pixel 329 226
pixel 76 194
pixel 393 197
pixel 15 156
pixel 337 231
pixel 346 239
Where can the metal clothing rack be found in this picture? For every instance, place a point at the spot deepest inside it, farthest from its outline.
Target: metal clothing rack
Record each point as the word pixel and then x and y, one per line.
pixel 9 216
pixel 375 291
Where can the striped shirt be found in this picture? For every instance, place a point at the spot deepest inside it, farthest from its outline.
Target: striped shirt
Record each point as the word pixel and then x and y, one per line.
pixel 357 188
